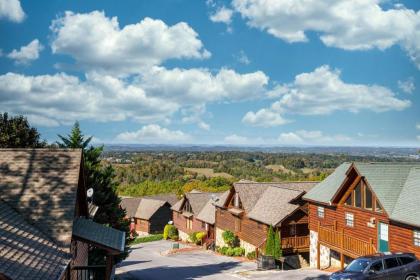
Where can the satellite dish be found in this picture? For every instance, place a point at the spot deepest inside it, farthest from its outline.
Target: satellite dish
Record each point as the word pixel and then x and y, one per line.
pixel 89 192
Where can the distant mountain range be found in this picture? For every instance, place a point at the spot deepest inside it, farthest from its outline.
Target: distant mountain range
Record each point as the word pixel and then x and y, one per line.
pixel 355 151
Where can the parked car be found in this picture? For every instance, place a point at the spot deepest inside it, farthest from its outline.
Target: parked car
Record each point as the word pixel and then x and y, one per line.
pixel 389 266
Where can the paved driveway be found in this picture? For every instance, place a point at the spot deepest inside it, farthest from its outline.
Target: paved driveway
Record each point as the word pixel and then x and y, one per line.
pixel 147 263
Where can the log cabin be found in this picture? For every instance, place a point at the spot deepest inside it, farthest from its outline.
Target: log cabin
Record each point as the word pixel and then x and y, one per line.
pixel 149 214
pixel 250 208
pixel 195 213
pixel 45 225
pixel 364 208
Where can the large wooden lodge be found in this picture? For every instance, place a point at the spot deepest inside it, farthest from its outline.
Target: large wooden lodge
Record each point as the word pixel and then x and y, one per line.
pixel 364 208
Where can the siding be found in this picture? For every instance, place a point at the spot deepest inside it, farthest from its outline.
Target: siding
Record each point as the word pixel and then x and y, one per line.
pixel 142 225
pixel 160 218
pixel 180 223
pixel 401 239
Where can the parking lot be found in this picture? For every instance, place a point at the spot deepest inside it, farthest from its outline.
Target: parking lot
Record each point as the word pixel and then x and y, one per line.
pixel 148 262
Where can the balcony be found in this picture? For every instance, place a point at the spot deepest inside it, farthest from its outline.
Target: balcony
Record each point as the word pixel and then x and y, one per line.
pixel 295 243
pixel 345 244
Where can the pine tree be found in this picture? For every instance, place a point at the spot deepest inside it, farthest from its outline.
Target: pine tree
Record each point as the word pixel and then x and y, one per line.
pixel 277 253
pixel 269 245
pixel 101 179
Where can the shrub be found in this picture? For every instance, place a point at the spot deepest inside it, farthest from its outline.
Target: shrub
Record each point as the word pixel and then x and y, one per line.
pixel 238 251
pixel 277 252
pixel 251 255
pixel 269 246
pixel 230 251
pixel 229 238
pixel 149 238
pixel 200 236
pixel 166 231
pixel 193 237
pixel 172 232
pixel 223 250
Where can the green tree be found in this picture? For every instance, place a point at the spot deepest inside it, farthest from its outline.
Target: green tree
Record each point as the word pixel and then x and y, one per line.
pixel 270 243
pixel 277 252
pixel 16 132
pixel 101 179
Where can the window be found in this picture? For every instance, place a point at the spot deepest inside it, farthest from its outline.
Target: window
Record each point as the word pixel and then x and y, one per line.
pixel 292 230
pixel 368 199
pixel 391 263
pixel 187 207
pixel 349 200
pixel 189 223
pixel 378 266
pixel 406 260
pixel 358 195
pixel 349 219
pixel 203 225
pixel 416 238
pixel 378 207
pixel 321 212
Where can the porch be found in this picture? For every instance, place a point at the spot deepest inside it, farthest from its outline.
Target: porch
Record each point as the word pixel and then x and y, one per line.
pixel 344 244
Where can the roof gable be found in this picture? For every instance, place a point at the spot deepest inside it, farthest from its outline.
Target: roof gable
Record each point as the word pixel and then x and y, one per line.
pixel 41 185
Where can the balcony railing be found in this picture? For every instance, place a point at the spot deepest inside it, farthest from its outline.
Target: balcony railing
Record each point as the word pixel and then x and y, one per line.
pixel 91 272
pixel 349 245
pixel 295 242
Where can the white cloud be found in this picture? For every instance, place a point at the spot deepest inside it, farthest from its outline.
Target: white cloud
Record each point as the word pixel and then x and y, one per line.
pixel 11 10
pixel 153 134
pixel 323 92
pixel 350 25
pixel 407 86
pixel 194 114
pixel 27 53
pixel 223 15
pixel 97 42
pixel 418 126
pixel 243 58
pixel 264 117
pixel 314 137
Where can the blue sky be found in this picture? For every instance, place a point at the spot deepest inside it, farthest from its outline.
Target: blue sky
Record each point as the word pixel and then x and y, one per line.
pixel 237 72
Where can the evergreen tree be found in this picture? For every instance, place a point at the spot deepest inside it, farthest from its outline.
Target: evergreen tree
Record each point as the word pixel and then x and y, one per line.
pixel 269 245
pixel 277 253
pixel 16 132
pixel 101 179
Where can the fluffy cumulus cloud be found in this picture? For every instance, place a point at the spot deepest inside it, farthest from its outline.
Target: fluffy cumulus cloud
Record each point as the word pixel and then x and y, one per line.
pixel 313 137
pixel 350 25
pixel 156 96
pixel 27 54
pixel 153 134
pixel 223 15
pixel 407 86
pixel 61 99
pixel 323 92
pixel 11 10
pixel 98 42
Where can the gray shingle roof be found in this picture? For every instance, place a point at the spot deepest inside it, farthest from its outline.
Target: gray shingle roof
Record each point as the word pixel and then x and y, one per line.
pixel 26 252
pixel 198 200
pixel 208 213
pixel 145 207
pixel 268 203
pixel 41 185
pixel 396 185
pixel 99 234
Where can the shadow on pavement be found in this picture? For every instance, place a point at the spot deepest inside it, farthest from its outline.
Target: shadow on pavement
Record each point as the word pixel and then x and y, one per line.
pixel 177 273
pixel 320 277
pixel 127 263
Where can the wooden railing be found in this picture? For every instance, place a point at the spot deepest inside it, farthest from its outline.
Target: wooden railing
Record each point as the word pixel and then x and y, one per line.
pixel 338 240
pixel 91 272
pixel 295 242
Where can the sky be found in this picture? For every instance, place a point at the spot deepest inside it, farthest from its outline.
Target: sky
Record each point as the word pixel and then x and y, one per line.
pixel 239 72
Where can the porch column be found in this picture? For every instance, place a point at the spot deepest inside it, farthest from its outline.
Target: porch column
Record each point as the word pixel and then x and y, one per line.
pixel 109 264
pixel 318 249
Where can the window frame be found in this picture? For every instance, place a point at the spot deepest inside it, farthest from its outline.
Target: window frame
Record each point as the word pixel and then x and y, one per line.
pixel 347 220
pixel 320 212
pixel 416 238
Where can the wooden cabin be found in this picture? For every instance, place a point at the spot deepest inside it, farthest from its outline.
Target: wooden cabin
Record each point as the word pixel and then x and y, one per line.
pixel 149 214
pixel 364 208
pixel 250 208
pixel 46 230
pixel 195 213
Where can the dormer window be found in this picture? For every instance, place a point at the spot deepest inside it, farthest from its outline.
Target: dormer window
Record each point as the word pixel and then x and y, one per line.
pixel 236 200
pixel 187 207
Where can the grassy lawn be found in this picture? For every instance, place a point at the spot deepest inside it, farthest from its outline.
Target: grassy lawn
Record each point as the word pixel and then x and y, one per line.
pixel 149 238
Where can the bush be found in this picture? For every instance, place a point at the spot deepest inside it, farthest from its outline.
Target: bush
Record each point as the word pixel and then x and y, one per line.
pixel 229 238
pixel 193 237
pixel 200 236
pixel 149 238
pixel 172 232
pixel 230 251
pixel 166 231
pixel 252 255
pixel 238 251
pixel 223 250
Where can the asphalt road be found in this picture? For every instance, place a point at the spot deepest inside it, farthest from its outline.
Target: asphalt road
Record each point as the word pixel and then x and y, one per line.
pixel 147 263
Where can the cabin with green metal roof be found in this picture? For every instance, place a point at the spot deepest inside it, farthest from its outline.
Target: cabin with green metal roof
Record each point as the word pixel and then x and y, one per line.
pixel 364 208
